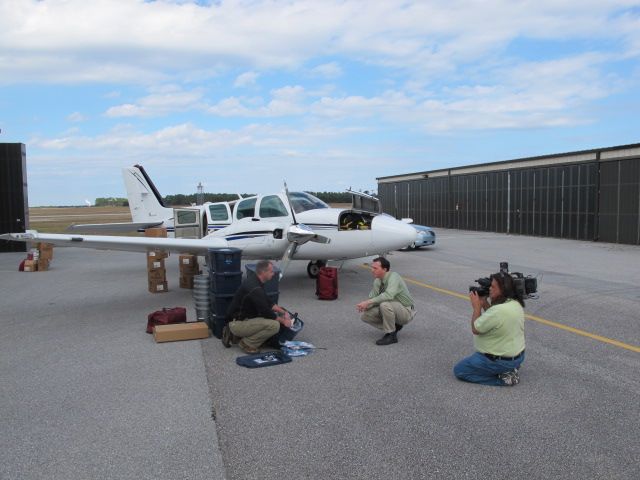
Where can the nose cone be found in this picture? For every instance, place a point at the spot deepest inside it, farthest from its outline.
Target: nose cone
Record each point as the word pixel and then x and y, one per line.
pixel 391 234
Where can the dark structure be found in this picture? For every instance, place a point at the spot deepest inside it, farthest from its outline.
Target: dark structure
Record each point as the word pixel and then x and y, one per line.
pixel 585 195
pixel 14 204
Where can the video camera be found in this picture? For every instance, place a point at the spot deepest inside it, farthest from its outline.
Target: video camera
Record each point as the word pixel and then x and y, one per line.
pixel 525 287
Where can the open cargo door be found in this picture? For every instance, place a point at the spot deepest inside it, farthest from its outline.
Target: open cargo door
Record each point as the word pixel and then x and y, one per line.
pixel 187 222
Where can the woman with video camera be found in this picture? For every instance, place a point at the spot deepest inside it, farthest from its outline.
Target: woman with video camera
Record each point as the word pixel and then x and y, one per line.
pixel 498 335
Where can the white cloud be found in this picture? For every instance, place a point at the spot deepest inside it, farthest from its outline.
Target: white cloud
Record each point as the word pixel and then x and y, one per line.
pixel 76 40
pixel 163 100
pixel 284 101
pixel 327 70
pixel 76 117
pixel 246 79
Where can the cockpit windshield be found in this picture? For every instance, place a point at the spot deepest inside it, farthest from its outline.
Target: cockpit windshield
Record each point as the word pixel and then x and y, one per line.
pixel 303 201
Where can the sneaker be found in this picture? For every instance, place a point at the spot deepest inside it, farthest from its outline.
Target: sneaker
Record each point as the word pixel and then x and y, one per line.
pixel 226 336
pixel 398 327
pixel 387 339
pixel 510 378
pixel 247 348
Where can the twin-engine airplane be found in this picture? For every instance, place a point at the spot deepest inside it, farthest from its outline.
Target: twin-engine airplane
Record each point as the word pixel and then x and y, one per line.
pixel 284 226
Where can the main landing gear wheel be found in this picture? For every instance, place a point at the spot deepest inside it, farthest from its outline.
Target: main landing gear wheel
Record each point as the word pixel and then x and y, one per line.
pixel 313 268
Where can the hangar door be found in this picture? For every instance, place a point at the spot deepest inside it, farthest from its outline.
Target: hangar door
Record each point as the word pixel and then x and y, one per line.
pixel 619 205
pixel 14 205
pixel 553 201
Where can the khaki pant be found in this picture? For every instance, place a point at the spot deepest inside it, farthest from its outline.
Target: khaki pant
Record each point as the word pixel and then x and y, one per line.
pixel 255 331
pixel 386 315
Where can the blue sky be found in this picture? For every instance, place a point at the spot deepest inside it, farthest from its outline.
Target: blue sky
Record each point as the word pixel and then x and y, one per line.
pixel 325 94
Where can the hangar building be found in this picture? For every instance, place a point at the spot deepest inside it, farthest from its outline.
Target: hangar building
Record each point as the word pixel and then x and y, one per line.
pixel 584 195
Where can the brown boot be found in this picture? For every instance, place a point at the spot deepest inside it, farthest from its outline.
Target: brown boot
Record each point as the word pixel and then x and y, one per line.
pixel 247 348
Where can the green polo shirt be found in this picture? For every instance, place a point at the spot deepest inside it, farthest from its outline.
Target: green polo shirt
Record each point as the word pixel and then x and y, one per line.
pixel 501 330
pixel 390 288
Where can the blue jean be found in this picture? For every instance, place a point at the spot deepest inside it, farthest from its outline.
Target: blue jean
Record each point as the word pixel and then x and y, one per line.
pixel 479 369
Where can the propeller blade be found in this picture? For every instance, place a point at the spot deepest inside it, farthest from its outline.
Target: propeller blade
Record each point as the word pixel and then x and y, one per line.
pixel 293 213
pixel 286 258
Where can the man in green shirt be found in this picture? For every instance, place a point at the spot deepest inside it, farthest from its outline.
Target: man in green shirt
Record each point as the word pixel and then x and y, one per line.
pixel 498 335
pixel 390 305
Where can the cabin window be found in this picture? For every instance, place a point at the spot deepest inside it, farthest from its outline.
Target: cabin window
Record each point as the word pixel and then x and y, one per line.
pixel 303 201
pixel 272 206
pixel 218 213
pixel 187 217
pixel 246 208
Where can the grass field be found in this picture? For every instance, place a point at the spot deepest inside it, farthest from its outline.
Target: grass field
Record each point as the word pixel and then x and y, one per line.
pixel 57 219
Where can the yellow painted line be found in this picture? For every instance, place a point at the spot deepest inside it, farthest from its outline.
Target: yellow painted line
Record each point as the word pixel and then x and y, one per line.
pixel 577 331
pixel 544 321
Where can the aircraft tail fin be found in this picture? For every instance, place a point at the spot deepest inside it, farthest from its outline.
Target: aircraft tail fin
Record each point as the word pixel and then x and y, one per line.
pixel 145 202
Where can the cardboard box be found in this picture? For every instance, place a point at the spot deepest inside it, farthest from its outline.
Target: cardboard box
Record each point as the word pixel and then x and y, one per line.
pixel 157 254
pixel 158 287
pixel 30 265
pixel 186 281
pixel 157 275
pixel 188 264
pixel 155 264
pixel 180 331
pixel 46 250
pixel 156 232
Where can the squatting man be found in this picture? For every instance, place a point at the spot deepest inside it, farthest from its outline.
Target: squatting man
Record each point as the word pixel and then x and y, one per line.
pixel 390 305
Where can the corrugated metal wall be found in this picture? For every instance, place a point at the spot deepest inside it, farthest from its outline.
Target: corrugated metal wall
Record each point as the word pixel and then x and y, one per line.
pixel 619 204
pixel 14 209
pixel 591 200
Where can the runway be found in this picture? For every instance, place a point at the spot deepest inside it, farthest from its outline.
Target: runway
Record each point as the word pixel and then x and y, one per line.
pixel 87 394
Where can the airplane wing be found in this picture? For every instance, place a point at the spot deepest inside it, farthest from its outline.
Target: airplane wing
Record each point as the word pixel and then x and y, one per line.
pixel 198 246
pixel 112 227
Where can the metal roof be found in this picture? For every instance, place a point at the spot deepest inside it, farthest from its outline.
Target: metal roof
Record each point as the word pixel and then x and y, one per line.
pixel 601 154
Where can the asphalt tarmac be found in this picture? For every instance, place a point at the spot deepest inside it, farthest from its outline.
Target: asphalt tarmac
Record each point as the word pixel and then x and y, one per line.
pixel 85 393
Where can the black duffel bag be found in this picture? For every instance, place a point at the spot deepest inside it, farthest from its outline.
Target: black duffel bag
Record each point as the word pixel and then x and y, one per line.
pixel 286 333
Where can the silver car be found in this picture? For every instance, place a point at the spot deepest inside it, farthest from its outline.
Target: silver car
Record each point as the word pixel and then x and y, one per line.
pixel 426 236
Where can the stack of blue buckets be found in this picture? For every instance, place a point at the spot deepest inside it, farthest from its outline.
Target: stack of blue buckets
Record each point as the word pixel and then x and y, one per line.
pixel 225 277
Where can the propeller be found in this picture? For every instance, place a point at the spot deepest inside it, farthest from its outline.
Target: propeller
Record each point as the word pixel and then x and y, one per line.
pixel 297 234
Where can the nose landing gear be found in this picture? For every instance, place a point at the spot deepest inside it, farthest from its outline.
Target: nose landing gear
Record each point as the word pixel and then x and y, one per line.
pixel 314 266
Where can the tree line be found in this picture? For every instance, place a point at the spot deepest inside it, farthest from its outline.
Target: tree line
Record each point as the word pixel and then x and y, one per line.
pixel 182 199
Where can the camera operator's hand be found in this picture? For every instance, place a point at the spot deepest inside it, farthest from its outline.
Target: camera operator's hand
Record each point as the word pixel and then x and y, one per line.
pixel 477 302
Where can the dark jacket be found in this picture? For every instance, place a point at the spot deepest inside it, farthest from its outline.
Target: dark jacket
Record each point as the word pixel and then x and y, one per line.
pixel 250 301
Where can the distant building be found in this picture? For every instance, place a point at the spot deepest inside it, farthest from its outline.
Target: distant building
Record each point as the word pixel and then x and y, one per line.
pixel 584 195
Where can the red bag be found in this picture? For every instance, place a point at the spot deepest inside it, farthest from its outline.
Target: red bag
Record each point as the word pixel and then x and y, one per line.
pixel 327 283
pixel 166 316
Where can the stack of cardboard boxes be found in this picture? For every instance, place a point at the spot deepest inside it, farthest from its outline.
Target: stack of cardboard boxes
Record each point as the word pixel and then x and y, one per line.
pixel 45 251
pixel 188 269
pixel 38 258
pixel 157 273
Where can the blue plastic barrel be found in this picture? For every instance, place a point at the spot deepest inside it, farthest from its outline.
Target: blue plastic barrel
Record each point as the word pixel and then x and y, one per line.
pixel 224 259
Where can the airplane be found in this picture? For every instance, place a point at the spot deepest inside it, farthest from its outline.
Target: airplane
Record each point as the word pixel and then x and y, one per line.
pixel 282 226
